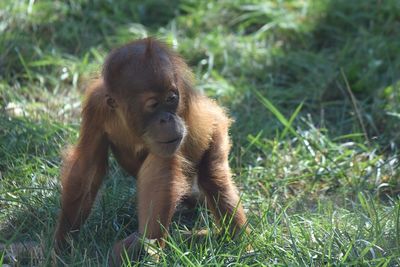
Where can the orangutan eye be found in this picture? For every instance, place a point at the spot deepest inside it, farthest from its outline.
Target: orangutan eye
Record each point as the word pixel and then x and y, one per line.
pixel 172 97
pixel 151 104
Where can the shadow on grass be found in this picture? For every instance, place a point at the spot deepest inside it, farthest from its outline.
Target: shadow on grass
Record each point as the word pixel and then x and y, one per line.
pixel 76 27
pixel 351 41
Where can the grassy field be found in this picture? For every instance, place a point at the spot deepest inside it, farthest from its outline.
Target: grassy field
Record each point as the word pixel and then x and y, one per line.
pixel 314 87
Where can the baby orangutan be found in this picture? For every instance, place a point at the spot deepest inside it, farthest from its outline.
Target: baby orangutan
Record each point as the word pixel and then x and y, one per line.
pixel 160 130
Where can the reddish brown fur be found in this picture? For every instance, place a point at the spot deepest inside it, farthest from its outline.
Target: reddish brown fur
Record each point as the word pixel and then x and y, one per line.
pixel 110 121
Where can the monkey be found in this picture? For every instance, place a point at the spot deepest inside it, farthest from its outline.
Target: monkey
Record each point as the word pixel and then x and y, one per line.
pixel 145 110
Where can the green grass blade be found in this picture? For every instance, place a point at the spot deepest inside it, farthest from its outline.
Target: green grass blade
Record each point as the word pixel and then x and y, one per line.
pixel 281 118
pixel 291 119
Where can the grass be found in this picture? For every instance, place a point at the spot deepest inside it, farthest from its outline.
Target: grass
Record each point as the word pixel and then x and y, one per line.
pixel 314 87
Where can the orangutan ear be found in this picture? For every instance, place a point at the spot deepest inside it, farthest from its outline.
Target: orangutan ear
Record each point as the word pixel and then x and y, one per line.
pixel 111 102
